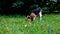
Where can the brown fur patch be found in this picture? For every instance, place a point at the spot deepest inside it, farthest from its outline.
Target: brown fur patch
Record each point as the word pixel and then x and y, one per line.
pixel 32 15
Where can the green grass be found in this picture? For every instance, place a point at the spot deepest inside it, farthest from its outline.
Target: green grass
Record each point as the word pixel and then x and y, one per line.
pixel 16 24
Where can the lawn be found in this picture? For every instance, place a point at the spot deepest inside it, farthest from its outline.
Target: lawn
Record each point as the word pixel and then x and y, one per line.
pixel 16 24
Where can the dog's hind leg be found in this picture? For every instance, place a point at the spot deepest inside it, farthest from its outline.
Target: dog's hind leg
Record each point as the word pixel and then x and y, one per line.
pixel 40 14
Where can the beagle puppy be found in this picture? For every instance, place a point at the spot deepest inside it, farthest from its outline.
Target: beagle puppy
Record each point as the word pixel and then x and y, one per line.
pixel 33 14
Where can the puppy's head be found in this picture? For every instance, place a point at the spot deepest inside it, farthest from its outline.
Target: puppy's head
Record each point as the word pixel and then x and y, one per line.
pixel 28 18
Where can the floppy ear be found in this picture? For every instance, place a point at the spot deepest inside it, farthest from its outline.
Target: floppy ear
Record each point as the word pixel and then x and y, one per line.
pixel 27 19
